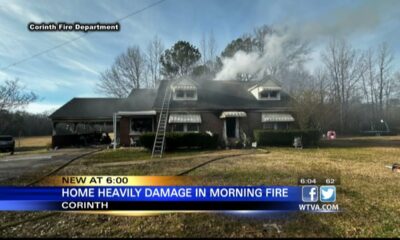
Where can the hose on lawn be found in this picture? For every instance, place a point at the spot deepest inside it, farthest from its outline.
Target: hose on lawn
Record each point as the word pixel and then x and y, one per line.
pixel 208 162
pixel 62 166
pixel 13 224
pixel 86 154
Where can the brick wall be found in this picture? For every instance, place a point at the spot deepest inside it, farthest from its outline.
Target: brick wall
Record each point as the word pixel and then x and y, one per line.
pixel 124 129
pixel 210 121
pixel 253 122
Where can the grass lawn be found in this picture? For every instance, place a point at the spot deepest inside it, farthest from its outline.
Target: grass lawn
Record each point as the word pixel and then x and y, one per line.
pixel 37 141
pixel 368 194
pixel 132 154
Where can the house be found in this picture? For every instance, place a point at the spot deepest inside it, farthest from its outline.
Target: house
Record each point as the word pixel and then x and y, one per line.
pixel 227 108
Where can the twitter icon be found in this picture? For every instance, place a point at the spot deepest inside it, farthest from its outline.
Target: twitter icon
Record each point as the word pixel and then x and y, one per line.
pixel 327 193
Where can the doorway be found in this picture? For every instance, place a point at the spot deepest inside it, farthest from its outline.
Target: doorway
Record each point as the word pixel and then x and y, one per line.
pixel 231 127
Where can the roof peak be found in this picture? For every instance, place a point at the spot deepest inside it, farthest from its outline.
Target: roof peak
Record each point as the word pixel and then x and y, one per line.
pixel 184 81
pixel 266 83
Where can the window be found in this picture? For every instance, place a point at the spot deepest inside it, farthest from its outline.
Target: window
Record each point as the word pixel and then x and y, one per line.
pixel 269 94
pixel 273 94
pixel 186 127
pixel 264 94
pixel 192 127
pixel 180 94
pixel 268 125
pixel 141 125
pixel 190 94
pixel 185 94
pixel 276 125
pixel 178 127
pixel 282 125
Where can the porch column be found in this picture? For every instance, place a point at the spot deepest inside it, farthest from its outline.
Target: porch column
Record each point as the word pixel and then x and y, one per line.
pixel 54 126
pixel 115 130
pixel 224 136
pixel 236 127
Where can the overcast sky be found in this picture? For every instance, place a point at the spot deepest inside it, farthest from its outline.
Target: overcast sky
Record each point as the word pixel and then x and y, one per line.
pixel 73 70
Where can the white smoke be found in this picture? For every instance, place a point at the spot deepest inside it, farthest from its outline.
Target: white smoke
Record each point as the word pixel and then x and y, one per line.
pixel 285 48
pixel 241 62
pixel 278 47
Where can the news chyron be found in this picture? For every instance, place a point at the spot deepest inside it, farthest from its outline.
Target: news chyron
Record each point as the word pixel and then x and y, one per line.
pixel 157 194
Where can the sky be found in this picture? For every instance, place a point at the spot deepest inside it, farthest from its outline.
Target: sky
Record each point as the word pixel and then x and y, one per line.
pixel 73 69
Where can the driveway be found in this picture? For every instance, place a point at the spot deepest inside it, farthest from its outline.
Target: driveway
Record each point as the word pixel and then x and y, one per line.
pixel 17 165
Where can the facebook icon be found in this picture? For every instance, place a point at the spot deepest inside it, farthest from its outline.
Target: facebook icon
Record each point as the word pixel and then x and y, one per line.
pixel 310 194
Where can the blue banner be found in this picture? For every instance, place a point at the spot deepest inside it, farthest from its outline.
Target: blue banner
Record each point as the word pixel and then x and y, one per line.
pixel 151 198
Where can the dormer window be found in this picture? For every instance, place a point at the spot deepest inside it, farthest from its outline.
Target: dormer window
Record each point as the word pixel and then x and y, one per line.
pixel 273 94
pixel 180 93
pixel 185 94
pixel 185 90
pixel 190 93
pixel 267 90
pixel 269 94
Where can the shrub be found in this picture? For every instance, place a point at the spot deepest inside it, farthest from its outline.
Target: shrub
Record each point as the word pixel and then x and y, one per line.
pixel 310 137
pixel 182 140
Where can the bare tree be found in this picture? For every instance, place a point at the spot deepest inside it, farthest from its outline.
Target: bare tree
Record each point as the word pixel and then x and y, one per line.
pixel 203 48
pixel 154 51
pixel 385 59
pixel 212 49
pixel 13 96
pixel 310 103
pixel 208 48
pixel 127 73
pixel 321 84
pixel 259 34
pixel 369 83
pixel 378 81
pixel 345 67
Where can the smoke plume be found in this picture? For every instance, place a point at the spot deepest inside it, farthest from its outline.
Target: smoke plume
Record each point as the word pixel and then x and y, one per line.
pixel 287 47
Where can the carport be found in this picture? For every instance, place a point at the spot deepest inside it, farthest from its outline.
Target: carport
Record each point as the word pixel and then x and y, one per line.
pixel 83 117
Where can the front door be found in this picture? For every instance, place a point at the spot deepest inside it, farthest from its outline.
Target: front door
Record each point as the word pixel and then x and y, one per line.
pixel 231 127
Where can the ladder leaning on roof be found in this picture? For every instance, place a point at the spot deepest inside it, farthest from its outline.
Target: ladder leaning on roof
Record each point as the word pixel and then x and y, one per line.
pixel 159 140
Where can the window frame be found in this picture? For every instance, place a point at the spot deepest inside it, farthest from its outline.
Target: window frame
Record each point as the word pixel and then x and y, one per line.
pixel 276 125
pixel 263 96
pixel 185 95
pixel 185 127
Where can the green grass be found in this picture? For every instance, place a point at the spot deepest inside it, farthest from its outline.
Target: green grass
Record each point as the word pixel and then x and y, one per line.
pixel 368 194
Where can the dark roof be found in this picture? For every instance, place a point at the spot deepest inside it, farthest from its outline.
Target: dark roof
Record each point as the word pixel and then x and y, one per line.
pixel 139 100
pixel 88 108
pixel 103 108
pixel 212 95
pixel 222 95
